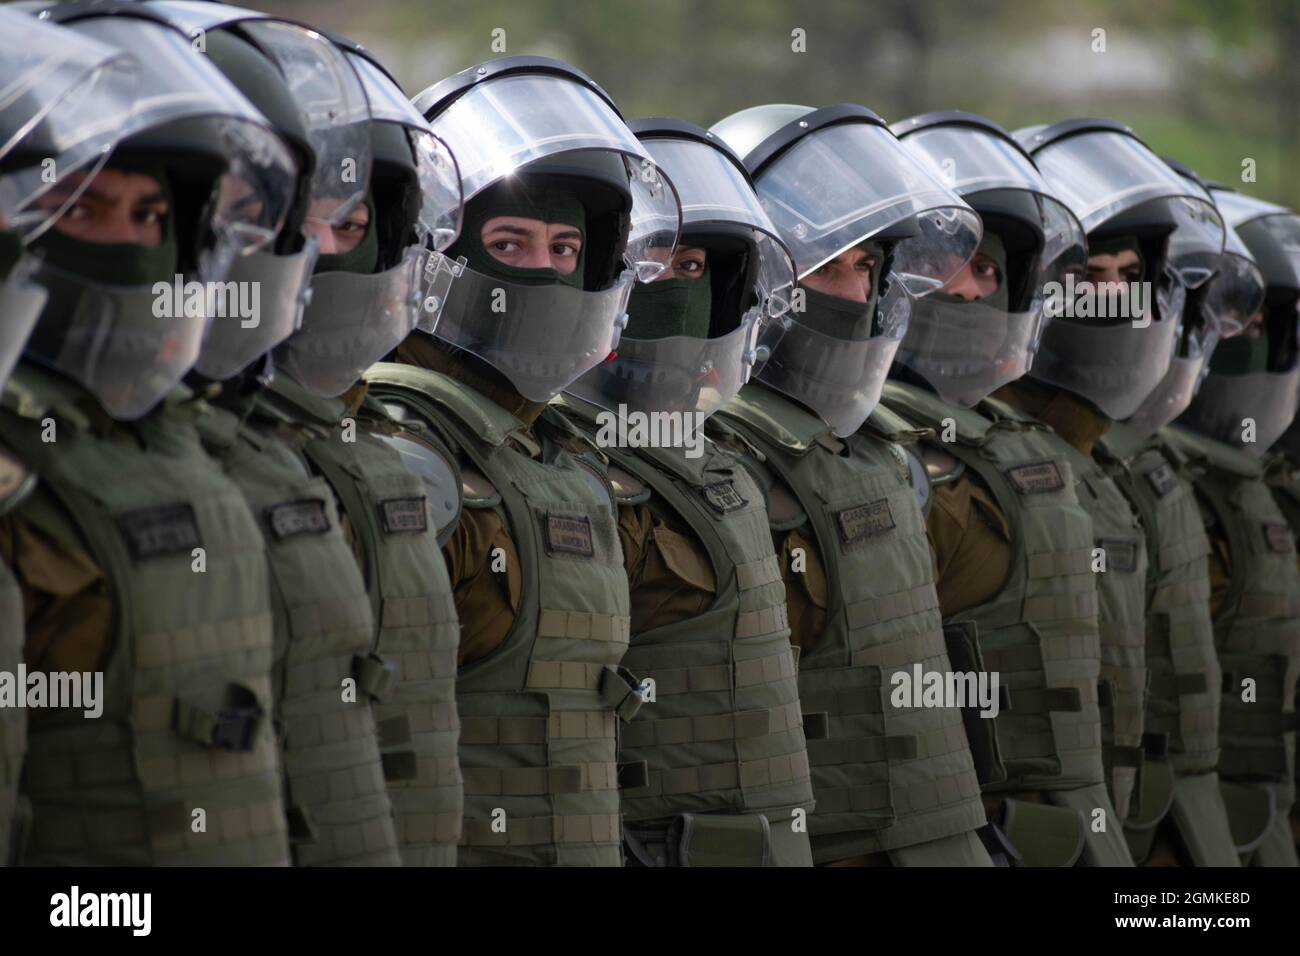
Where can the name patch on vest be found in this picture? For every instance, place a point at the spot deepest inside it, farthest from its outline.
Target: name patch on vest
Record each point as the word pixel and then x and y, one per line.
pixel 154 532
pixel 723 497
pixel 1162 479
pixel 1121 554
pixel 1278 537
pixel 569 535
pixel 865 521
pixel 292 518
pixel 1036 478
pixel 404 515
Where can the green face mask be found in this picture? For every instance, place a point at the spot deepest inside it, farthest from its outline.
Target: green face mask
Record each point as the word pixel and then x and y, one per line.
pixel 116 263
pixel 550 204
pixel 682 306
pixel 844 318
pixel 362 258
pixel 992 246
pixel 1240 355
pixel 11 250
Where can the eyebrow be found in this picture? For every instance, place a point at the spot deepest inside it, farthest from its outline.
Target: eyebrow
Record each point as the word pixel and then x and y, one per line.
pixel 95 194
pixel 510 230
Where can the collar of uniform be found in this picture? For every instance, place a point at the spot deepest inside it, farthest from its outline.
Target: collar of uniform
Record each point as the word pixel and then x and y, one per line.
pixel 1069 416
pixel 423 351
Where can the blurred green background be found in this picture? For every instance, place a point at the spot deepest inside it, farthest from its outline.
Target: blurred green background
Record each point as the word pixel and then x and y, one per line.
pixel 1215 83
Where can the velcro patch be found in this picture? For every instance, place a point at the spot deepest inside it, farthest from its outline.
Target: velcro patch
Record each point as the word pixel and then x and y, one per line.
pixel 405 515
pixel 1162 479
pixel 865 521
pixel 292 518
pixel 723 497
pixel 569 534
pixel 1279 537
pixel 154 532
pixel 1036 477
pixel 1121 554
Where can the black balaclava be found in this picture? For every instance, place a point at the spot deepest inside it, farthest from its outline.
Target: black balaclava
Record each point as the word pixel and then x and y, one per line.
pixel 110 263
pixel 991 245
pixel 844 318
pixel 363 257
pixel 11 251
pixel 1111 246
pixel 529 199
pixel 680 306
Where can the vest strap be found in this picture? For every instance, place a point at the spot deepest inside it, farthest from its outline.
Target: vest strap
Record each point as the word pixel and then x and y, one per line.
pixel 888 607
pixel 619 690
pixel 537 831
pixel 567 725
pixel 375 676
pixel 768 620
pixel 747 774
pixel 1060 564
pixel 418 611
pixel 756 574
pixel 713 727
pixel 534 781
pixel 581 625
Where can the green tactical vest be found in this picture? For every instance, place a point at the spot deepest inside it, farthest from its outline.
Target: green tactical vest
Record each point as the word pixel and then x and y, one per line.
pixel 338 807
pixel 1257 627
pixel 181 767
pixel 1183 703
pixel 887 777
pixel 389 510
pixel 538 747
pixel 1040 632
pixel 724 733
pixel 1283 477
pixel 13 720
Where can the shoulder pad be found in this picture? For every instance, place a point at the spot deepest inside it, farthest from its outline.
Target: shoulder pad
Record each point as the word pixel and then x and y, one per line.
pixel 594 475
pixel 476 490
pixel 16 482
pixel 940 467
pixel 893 427
pixel 918 476
pixel 437 473
pixel 784 512
pixel 628 489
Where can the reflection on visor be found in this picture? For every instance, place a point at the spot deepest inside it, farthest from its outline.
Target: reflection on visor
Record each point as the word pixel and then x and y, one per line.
pixel 845 183
pixel 63 97
pixel 1234 295
pixel 507 122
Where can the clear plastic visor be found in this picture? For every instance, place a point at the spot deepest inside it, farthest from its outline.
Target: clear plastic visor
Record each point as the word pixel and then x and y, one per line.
pixel 1174 393
pixel 21 304
pixel 680 373
pixel 1116 367
pixel 541 337
pixel 713 190
pixel 1284 230
pixel 178 83
pixel 440 204
pixel 967 350
pixel 1102 174
pixel 1226 402
pixel 352 322
pixel 840 379
pixel 845 183
pixel 1236 292
pixel 325 86
pixel 503 124
pixel 128 345
pixel 63 100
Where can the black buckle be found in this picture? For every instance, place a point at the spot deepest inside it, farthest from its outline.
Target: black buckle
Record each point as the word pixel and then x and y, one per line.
pixel 235 728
